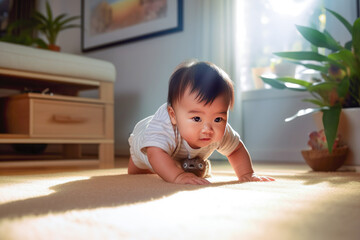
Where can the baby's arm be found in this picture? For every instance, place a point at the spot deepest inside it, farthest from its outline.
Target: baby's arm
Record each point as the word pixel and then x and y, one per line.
pixel 241 163
pixel 167 169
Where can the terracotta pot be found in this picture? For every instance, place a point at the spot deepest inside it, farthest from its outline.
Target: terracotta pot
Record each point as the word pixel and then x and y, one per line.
pixel 349 130
pixel 321 160
pixel 54 47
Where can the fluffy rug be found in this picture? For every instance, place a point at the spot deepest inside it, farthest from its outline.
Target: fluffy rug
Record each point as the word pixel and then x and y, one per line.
pixel 109 204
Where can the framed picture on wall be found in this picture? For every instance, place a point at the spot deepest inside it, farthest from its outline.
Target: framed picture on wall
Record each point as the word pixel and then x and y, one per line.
pixel 109 22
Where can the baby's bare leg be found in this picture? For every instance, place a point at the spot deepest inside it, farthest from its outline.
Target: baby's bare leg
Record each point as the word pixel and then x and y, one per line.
pixel 132 169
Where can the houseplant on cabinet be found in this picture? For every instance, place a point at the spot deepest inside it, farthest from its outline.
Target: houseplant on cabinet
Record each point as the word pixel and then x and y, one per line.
pixel 48 24
pixel 22 32
pixel 339 85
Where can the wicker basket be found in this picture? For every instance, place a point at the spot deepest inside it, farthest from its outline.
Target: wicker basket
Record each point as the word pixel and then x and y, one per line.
pixel 321 160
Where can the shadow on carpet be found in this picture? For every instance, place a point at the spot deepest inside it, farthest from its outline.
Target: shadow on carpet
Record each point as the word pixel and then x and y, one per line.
pixel 99 191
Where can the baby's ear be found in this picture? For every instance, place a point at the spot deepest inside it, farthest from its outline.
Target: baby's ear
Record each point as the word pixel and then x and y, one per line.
pixel 171 115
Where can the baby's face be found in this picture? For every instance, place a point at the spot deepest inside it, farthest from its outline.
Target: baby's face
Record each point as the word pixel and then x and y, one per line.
pixel 199 124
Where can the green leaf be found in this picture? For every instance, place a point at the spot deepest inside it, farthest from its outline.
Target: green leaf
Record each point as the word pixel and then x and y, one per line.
pixel 70 26
pixel 312 35
pixel 331 117
pixel 283 83
pixel 342 20
pixel 322 86
pixel 345 57
pixel 302 55
pixel 70 19
pixel 356 37
pixel 41 43
pixel 316 102
pixel 332 42
pixel 343 87
pixel 300 82
pixel 48 11
pixel 314 48
pixel 320 68
pixel 40 18
pixel 308 56
pixel 318 38
pixel 273 83
pixel 302 112
pixel 348 45
pixel 59 18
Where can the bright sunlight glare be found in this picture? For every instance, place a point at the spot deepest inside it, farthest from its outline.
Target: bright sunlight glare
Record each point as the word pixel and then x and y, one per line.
pixel 290 7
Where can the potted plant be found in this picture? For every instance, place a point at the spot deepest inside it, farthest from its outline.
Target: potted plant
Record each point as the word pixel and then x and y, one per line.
pixel 48 25
pixel 22 32
pixel 339 85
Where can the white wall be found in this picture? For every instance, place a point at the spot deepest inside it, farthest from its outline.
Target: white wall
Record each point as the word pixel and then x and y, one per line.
pixel 266 134
pixel 143 69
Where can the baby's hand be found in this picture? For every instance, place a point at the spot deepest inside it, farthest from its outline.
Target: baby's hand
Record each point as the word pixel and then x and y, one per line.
pixel 190 178
pixel 252 177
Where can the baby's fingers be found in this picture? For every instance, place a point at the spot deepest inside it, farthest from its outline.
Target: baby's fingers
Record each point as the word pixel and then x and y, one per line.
pixel 190 178
pixel 202 181
pixel 199 181
pixel 264 179
pixel 255 178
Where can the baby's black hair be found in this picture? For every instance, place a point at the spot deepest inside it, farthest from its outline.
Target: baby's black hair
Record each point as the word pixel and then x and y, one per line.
pixel 203 78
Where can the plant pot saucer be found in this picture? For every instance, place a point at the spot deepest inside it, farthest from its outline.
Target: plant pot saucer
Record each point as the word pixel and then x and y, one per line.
pixel 321 160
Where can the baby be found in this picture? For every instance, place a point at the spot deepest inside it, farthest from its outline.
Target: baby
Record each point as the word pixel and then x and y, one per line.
pixel 193 123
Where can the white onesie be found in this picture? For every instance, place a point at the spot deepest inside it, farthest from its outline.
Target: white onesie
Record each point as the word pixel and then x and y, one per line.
pixel 157 131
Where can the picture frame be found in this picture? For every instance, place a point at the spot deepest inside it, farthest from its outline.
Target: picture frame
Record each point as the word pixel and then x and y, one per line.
pixel 107 23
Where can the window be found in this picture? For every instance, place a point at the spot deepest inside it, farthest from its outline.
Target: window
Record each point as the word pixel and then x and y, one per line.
pixel 267 26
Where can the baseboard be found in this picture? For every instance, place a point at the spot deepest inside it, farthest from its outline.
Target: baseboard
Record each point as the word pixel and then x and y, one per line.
pixel 283 156
pixel 288 156
pixel 280 156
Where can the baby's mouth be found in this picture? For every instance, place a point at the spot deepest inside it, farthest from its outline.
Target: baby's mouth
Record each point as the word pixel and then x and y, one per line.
pixel 205 139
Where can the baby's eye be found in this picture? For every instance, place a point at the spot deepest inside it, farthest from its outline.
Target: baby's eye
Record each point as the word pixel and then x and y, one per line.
pixel 218 119
pixel 197 119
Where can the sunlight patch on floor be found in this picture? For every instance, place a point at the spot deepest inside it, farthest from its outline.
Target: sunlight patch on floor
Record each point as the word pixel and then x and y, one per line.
pixel 26 189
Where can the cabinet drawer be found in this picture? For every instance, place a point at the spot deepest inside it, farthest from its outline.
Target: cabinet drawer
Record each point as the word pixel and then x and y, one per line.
pixel 66 119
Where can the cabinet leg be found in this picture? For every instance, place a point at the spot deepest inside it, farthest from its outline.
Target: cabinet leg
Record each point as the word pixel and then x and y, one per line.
pixel 106 155
pixel 72 151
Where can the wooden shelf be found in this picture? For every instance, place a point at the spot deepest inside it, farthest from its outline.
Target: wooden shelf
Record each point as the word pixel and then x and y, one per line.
pixel 9 136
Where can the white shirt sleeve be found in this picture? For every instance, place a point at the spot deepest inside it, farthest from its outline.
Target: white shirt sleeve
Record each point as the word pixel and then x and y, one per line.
pixel 160 133
pixel 229 142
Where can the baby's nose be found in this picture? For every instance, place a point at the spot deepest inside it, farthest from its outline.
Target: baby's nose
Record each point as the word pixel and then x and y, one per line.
pixel 207 128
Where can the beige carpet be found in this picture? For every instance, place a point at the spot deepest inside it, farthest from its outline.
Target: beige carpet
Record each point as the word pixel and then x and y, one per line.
pixel 108 204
